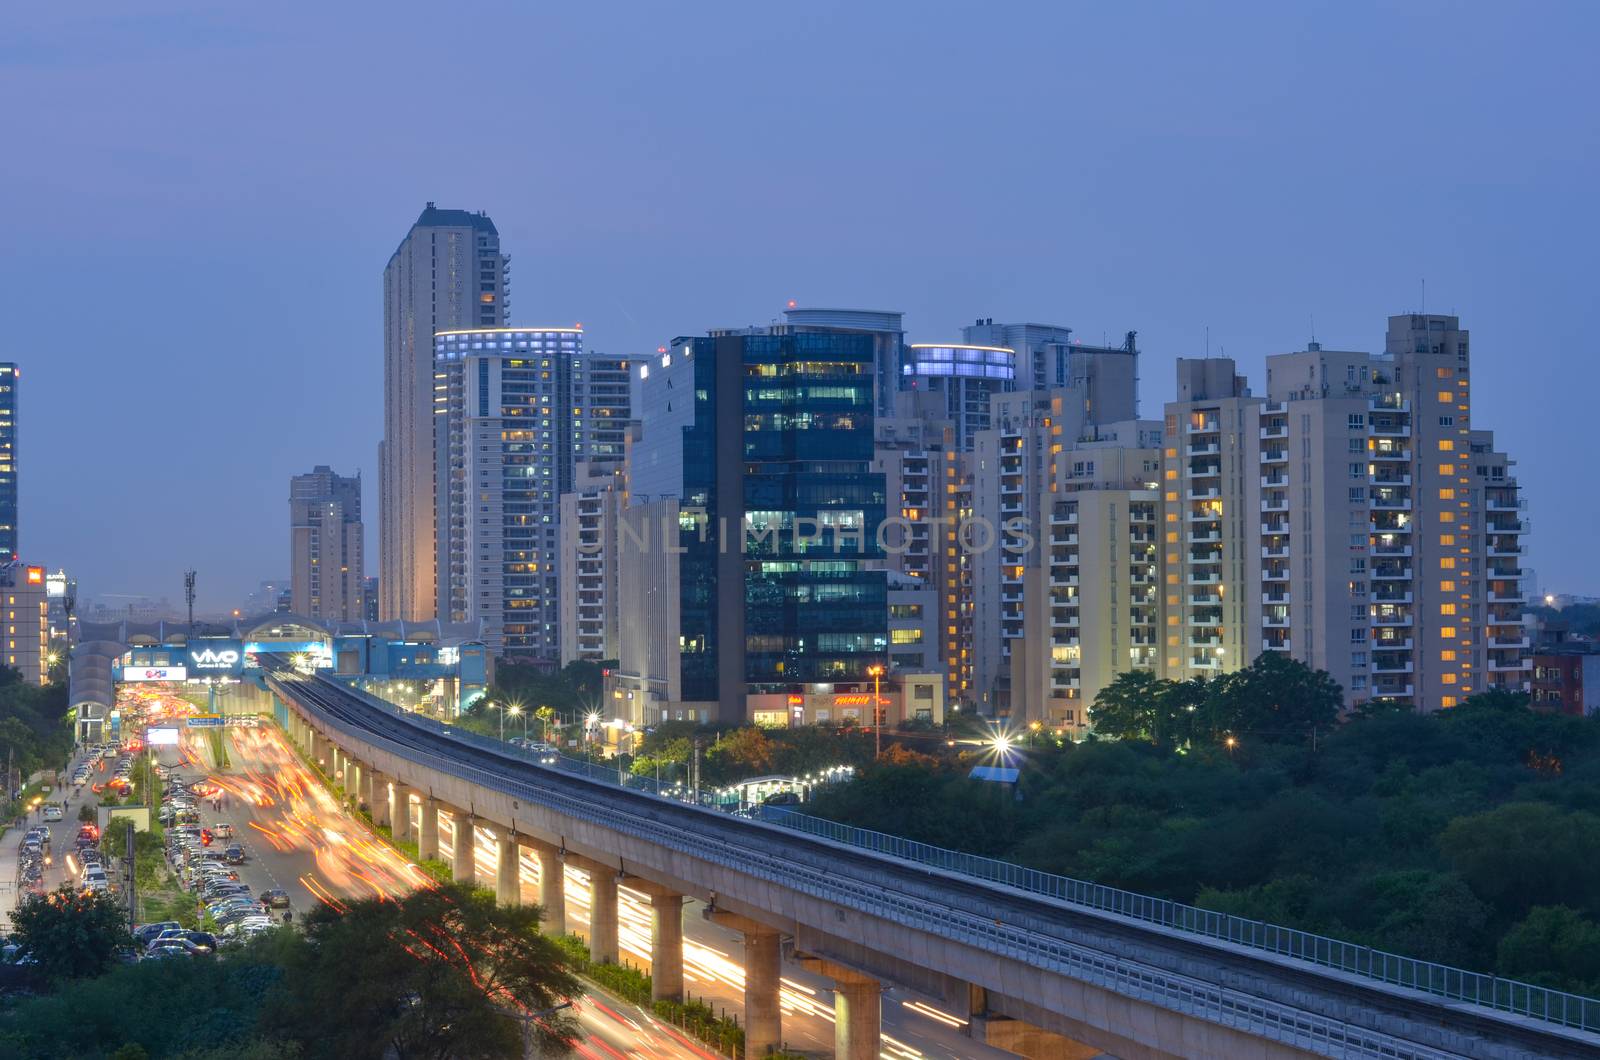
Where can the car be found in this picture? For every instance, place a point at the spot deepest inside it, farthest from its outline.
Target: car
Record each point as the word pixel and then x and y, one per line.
pixel 276 898
pixel 147 933
pixel 222 830
pixel 234 855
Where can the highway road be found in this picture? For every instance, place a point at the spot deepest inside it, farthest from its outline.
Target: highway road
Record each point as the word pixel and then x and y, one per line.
pixel 298 838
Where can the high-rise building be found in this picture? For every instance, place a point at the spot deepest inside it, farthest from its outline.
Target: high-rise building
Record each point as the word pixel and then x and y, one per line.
pixel 9 376
pixel 327 578
pixel 761 440
pixel 964 379
pixel 61 590
pixel 369 599
pixel 448 273
pixel 1388 548
pixel 884 327
pixel 1210 533
pixel 517 409
pixel 26 621
pixel 589 626
pixel 1104 379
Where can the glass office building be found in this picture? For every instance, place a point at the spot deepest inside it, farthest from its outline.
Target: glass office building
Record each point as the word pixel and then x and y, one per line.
pixel 766 438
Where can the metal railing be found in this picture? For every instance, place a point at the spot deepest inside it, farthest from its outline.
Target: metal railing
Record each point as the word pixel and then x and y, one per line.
pixel 1129 978
pixel 1456 984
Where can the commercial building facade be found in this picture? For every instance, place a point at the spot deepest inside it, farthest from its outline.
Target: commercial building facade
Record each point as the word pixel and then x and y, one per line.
pixel 326 546
pixel 448 273
pixel 26 620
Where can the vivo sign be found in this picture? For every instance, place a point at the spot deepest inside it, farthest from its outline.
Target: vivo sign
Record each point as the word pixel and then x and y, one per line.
pixel 213 659
pixel 154 673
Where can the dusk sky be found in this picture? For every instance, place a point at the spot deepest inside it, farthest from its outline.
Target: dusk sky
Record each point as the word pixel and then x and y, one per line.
pixel 202 198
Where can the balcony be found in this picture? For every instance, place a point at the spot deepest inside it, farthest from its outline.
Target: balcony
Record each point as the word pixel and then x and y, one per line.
pixel 1392 691
pixel 1203 449
pixel 1203 493
pixel 1394 620
pixel 1279 574
pixel 1274 456
pixel 1011 598
pixel 1277 645
pixel 1274 430
pixel 1275 504
pixel 1390 429
pixel 1209 426
pixel 1195 537
pixel 1503 596
pixel 1273 621
pixel 1389 572
pixel 1275 598
pixel 1385 501
pixel 1205 662
pixel 1205 642
pixel 1204 578
pixel 1275 551
pixel 1387 595
pixel 1390 452
pixel 1394 644
pixel 1499 504
pixel 1275 526
pixel 1500 549
pixel 1209 555
pixel 1515 526
pixel 1509 665
pixel 1063 581
pixel 1275 480
pixel 1392 550
pixel 1063 537
pixel 1393 666
pixel 1061 517
pixel 1388 403
pixel 1390 478
pixel 1503 642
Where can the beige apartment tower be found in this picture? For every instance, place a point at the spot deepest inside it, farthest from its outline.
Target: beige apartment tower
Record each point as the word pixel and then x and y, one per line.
pixel 448 273
pixel 326 546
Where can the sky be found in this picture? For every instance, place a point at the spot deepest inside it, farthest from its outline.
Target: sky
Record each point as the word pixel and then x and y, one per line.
pixel 203 197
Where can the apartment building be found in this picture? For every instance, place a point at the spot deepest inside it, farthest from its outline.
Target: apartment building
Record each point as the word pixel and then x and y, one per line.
pixel 327 561
pixel 1212 505
pixel 587 536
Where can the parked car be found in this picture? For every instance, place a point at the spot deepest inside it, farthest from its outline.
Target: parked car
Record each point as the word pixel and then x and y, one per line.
pixel 234 855
pixel 145 934
pixel 276 898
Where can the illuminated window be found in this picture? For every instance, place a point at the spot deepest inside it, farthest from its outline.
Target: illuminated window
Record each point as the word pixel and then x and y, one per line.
pixel 1447 469
pixel 1441 373
pixel 1448 678
pixel 1447 563
pixel 1172 472
pixel 1447 517
pixel 1447 701
pixel 1446 445
pixel 1447 587
pixel 1447 494
pixel 1447 631
pixel 1448 655
pixel 1447 396
pixel 1447 539
pixel 1447 609
pixel 1172 495
pixel 1172 537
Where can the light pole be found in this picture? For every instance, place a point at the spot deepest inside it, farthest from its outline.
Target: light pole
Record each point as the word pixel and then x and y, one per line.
pixel 876 670
pixel 517 712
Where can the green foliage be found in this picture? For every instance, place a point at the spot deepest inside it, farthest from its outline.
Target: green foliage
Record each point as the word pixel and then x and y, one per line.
pixel 1554 945
pixel 1434 835
pixel 1275 699
pixel 71 934
pixel 35 730
pixel 700 1020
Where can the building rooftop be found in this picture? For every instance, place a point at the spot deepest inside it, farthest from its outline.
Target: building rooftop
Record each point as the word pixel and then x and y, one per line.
pixel 433 217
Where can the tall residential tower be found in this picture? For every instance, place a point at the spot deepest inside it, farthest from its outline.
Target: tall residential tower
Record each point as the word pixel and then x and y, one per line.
pixel 448 273
pixel 326 538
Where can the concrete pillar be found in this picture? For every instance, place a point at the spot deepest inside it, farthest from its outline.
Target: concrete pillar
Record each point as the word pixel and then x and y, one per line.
pixel 400 815
pixel 335 764
pixel 603 914
pixel 763 968
pixel 552 890
pixel 368 789
pixel 857 1018
pixel 428 835
pixel 464 857
pixel 666 947
pixel 351 779
pixel 378 800
pixel 508 872
pixel 316 750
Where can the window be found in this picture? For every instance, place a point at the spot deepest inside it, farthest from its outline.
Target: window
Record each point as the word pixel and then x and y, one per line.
pixel 1447 655
pixel 1442 373
pixel 905 636
pixel 1447 539
pixel 1358 470
pixel 1447 469
pixel 1447 421
pixel 1447 563
pixel 1357 421
pixel 1358 658
pixel 1447 632
pixel 1447 609
pixel 1447 701
pixel 1446 445
pixel 1358 493
pixel 1447 397
pixel 1357 445
pixel 1447 586
pixel 1358 612
pixel 1358 636
pixel 1448 678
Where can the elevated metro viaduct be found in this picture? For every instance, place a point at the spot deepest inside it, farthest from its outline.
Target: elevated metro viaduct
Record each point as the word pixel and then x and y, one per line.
pixel 444 667
pixel 1034 975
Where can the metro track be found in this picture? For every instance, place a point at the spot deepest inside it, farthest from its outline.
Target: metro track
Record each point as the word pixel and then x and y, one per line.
pixel 946 898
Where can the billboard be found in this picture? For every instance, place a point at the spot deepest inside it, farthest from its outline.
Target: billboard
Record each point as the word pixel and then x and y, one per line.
pixel 163 737
pixel 205 721
pixel 215 658
pixel 154 673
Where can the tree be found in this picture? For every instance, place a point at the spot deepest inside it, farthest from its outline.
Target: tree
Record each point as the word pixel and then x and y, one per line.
pixel 71 934
pixel 1276 698
pixel 1126 709
pixel 1525 854
pixel 441 973
pixel 1553 941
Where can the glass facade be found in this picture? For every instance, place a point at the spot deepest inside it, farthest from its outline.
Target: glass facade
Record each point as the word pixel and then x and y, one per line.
pixel 808 517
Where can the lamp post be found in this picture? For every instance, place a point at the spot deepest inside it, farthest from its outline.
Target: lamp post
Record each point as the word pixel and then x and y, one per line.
pixel 517 712
pixel 876 670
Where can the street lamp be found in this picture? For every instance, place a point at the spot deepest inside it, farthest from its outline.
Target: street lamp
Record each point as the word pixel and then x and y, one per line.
pixel 876 670
pixel 516 711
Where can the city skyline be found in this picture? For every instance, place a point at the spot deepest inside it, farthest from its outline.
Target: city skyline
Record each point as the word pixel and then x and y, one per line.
pixel 1186 205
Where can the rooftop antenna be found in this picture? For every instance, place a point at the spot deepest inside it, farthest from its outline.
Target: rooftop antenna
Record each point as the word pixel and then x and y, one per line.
pixel 188 594
pixel 1208 341
pixel 1424 296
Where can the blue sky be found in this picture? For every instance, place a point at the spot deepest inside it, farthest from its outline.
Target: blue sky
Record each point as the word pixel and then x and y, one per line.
pixel 202 198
